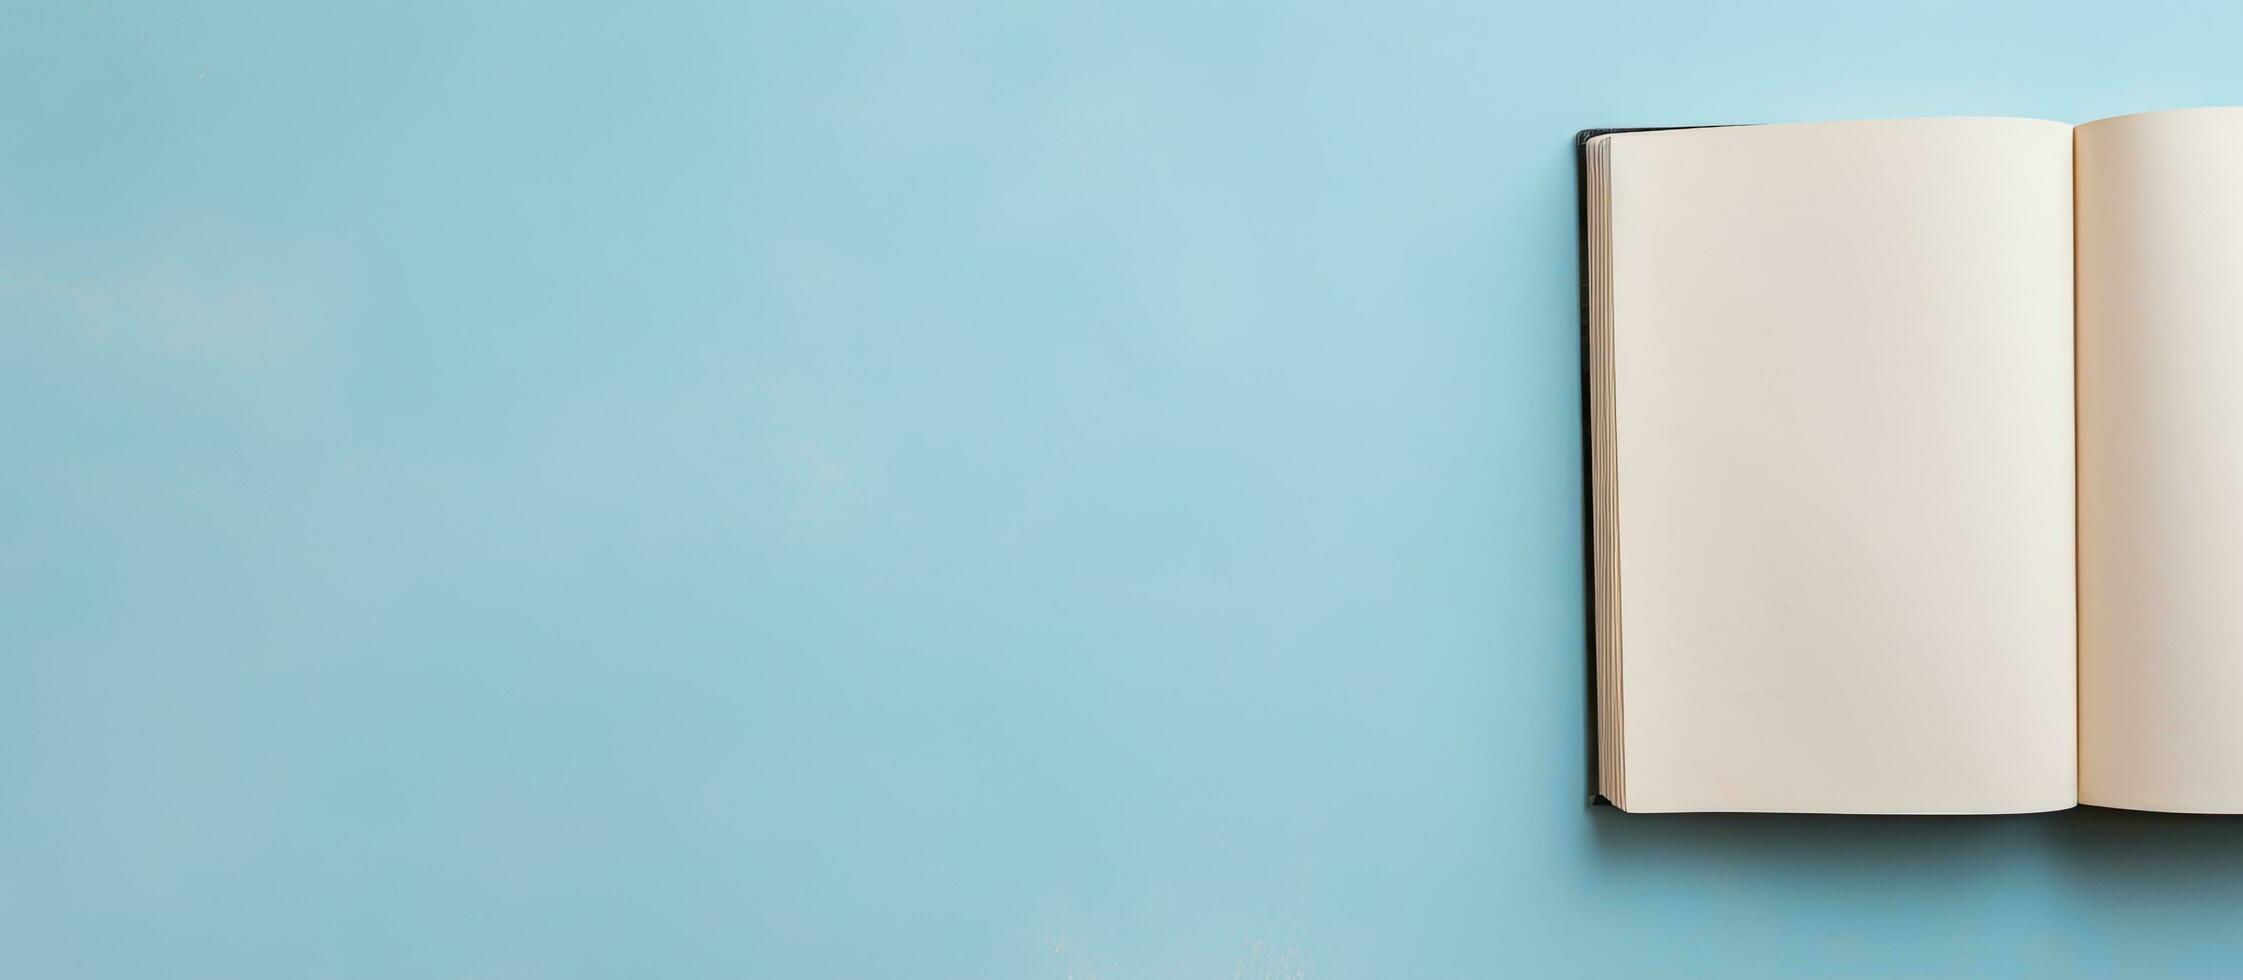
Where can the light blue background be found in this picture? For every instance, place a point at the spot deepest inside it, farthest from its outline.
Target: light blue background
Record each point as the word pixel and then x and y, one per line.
pixel 904 490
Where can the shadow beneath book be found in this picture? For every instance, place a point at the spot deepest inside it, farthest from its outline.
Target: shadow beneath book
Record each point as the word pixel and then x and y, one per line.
pixel 2172 857
pixel 1736 841
pixel 2121 854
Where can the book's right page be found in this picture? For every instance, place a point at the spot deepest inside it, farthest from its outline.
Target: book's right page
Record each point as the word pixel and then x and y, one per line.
pixel 2159 205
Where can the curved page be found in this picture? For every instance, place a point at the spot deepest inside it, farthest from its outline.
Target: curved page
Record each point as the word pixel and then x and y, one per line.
pixel 2161 461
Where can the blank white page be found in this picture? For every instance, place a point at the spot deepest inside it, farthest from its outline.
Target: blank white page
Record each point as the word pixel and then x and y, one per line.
pixel 2161 460
pixel 1843 411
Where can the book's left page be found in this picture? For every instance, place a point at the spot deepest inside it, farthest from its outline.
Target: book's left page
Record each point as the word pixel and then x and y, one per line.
pixel 1835 466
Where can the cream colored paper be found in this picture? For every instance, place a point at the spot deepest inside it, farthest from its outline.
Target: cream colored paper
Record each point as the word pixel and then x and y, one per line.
pixel 1841 385
pixel 2161 460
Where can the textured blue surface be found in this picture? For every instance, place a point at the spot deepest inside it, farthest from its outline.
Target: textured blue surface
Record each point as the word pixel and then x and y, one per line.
pixel 925 490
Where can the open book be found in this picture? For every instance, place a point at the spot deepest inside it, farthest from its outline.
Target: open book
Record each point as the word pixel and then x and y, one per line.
pixel 1916 464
